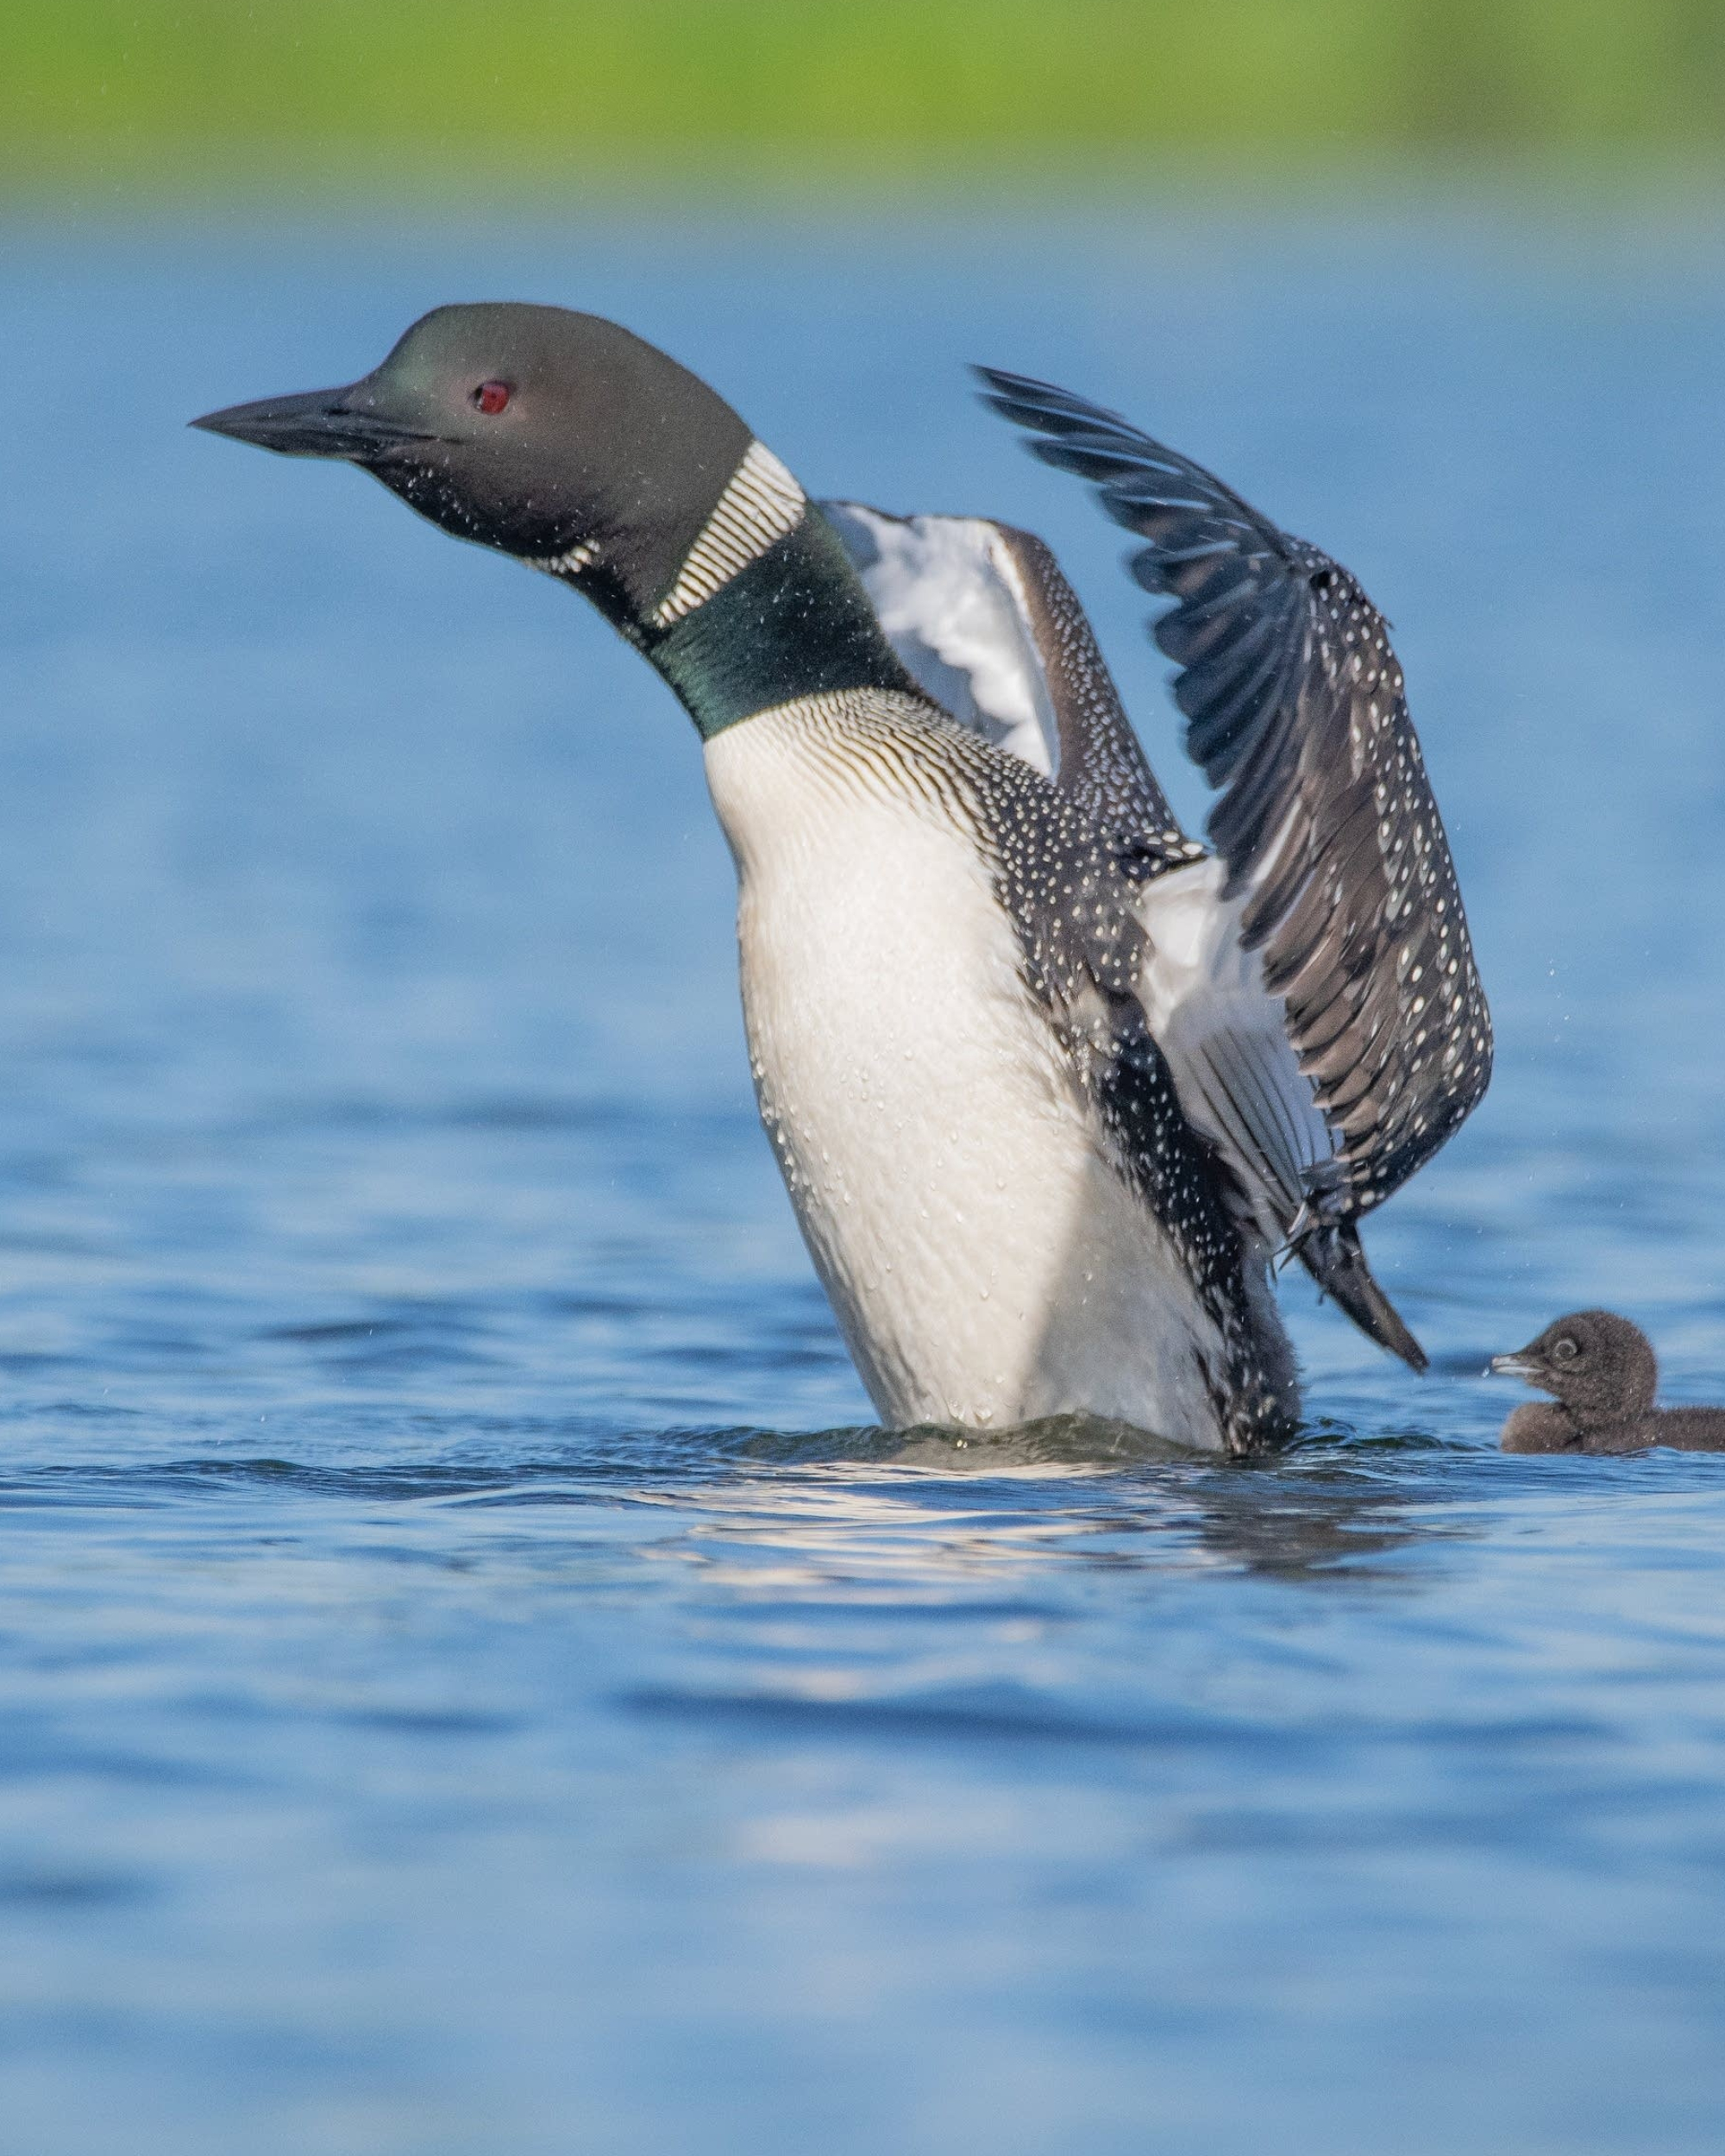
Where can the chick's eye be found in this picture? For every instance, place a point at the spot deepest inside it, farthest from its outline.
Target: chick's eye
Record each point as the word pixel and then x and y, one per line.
pixel 1564 1351
pixel 489 397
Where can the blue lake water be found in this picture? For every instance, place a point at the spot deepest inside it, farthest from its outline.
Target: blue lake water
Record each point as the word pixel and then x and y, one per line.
pixel 471 1679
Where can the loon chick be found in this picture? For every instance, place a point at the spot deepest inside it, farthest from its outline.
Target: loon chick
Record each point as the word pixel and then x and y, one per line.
pixel 1049 1086
pixel 1601 1371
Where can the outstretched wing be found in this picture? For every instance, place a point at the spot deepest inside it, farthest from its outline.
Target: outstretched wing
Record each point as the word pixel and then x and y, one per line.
pixel 990 629
pixel 1335 855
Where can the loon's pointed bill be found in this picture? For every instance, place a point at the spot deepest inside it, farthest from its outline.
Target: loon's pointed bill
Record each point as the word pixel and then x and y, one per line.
pixel 1044 1110
pixel 325 422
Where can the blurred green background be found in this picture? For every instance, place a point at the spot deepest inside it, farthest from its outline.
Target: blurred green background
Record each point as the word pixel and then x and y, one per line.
pixel 112 92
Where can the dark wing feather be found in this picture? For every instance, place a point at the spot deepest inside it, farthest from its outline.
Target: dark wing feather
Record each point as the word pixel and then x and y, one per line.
pixel 1295 708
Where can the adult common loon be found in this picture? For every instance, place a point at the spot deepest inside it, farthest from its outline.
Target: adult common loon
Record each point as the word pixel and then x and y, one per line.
pixel 1049 1085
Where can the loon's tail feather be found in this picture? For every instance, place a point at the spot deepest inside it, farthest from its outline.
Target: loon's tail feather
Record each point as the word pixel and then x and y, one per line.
pixel 1330 1251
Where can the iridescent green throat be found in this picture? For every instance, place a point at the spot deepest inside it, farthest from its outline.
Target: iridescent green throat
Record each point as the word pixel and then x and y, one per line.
pixel 795 622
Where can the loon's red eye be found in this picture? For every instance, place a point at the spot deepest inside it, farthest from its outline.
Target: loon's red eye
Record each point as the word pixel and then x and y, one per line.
pixel 489 397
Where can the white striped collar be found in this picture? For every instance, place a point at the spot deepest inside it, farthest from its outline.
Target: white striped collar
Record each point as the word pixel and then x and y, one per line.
pixel 760 506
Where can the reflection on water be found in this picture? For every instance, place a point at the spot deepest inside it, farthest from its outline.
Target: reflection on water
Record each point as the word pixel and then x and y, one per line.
pixel 467 1680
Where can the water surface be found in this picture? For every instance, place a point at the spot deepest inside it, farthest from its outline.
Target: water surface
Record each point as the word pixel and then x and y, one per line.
pixel 471 1678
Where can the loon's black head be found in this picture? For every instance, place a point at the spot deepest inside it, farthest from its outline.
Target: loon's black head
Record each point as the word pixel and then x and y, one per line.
pixel 1599 1365
pixel 536 430
pixel 569 443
